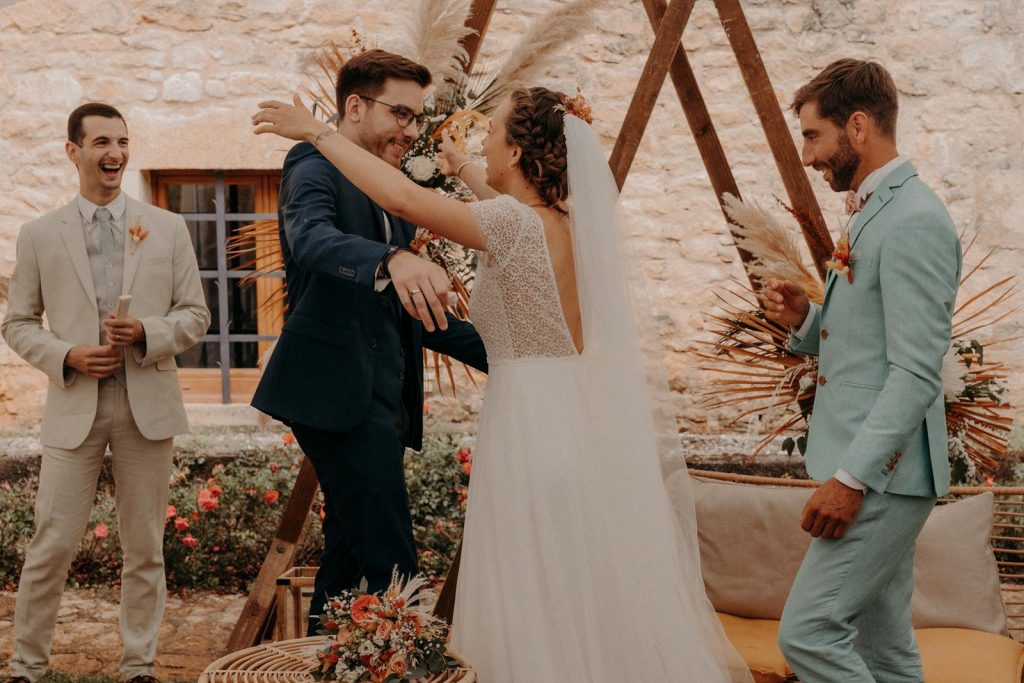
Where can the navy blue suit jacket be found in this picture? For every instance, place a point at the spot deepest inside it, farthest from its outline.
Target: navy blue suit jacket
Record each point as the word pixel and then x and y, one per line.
pixel 341 338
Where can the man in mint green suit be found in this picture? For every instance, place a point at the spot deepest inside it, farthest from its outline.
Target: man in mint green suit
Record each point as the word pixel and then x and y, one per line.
pixel 877 436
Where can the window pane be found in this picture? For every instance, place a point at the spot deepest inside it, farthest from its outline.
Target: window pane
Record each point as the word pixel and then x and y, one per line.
pixel 241 198
pixel 204 242
pixel 202 355
pixel 241 308
pixel 198 197
pixel 244 354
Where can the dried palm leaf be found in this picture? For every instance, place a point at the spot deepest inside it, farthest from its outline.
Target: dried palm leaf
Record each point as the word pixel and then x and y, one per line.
pixel 432 34
pixel 753 366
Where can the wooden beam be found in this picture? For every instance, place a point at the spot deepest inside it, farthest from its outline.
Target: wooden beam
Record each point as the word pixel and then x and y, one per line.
pixel 479 19
pixel 798 188
pixel 257 612
pixel 666 42
pixel 699 119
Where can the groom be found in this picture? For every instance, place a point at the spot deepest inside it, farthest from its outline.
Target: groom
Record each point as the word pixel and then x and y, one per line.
pixel 347 371
pixel 878 433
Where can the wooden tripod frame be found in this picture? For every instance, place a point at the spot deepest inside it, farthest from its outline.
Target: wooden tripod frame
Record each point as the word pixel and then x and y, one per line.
pixel 667 57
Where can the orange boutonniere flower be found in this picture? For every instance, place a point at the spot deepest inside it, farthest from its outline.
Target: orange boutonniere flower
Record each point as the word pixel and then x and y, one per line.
pixel 136 233
pixel 840 261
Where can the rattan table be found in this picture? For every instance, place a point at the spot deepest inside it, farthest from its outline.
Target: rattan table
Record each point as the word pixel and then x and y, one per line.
pixel 290 661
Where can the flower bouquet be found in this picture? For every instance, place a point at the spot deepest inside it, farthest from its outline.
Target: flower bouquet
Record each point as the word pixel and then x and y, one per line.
pixel 383 638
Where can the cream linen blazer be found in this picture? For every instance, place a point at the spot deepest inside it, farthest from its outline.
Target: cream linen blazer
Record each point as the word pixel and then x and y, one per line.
pixel 52 276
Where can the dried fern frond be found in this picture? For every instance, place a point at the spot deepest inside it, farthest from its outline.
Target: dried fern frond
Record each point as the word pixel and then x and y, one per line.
pixel 774 247
pixel 432 34
pixel 543 43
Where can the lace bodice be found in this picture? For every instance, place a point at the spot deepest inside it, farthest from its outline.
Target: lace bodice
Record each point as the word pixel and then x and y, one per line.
pixel 515 305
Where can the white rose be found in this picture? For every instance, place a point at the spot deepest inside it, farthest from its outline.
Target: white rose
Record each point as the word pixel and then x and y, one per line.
pixel 421 168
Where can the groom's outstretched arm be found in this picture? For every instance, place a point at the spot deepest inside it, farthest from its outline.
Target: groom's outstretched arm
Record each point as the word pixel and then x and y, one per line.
pixel 310 215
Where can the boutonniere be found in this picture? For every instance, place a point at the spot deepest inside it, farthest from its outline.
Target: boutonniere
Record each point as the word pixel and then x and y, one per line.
pixel 137 234
pixel 840 261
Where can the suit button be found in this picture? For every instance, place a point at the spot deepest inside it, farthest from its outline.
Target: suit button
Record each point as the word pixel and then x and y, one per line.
pixel 373 343
pixel 824 334
pixel 822 380
pixel 401 376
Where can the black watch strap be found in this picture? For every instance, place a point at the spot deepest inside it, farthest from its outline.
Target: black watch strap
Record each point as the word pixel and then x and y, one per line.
pixel 384 272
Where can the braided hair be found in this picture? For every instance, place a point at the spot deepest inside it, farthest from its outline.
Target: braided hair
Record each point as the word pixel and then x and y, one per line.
pixel 536 125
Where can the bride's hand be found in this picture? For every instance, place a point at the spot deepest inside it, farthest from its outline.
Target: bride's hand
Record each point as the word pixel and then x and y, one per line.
pixel 292 121
pixel 451 158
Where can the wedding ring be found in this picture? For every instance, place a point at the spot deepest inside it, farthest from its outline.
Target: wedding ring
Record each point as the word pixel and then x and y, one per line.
pixel 414 291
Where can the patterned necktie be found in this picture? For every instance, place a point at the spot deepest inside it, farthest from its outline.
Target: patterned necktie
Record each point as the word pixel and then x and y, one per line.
pixel 106 225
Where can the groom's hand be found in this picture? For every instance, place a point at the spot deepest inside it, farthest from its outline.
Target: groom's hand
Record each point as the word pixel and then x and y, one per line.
pixel 421 286
pixel 785 303
pixel 831 510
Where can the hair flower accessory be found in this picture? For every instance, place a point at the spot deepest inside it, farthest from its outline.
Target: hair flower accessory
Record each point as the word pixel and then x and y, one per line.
pixel 137 233
pixel 577 106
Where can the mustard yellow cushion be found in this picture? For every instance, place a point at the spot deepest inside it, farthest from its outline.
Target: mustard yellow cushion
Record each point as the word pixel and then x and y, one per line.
pixel 949 655
pixel 754 640
pixel 956 655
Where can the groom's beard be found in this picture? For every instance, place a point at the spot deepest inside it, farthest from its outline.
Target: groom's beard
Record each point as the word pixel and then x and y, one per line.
pixel 842 165
pixel 389 148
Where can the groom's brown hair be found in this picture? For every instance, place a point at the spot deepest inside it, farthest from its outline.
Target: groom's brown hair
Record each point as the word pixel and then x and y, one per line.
pixel 849 85
pixel 366 73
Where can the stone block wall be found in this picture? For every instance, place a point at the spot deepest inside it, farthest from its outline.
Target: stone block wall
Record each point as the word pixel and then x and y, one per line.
pixel 187 74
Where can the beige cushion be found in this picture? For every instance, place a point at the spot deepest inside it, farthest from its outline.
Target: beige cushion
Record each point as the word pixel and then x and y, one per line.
pixel 956 580
pixel 948 655
pixel 752 545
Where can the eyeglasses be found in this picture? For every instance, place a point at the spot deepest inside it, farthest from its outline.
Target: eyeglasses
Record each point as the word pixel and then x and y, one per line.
pixel 403 115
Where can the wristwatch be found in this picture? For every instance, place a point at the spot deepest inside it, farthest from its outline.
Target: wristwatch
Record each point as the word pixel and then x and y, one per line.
pixel 382 269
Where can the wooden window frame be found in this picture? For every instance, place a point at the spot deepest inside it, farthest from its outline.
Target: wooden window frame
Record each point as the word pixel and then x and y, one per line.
pixel 226 384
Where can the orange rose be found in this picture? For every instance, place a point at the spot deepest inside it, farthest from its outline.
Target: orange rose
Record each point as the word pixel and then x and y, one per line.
pixel 383 630
pixel 361 608
pixel 398 665
pixel 271 496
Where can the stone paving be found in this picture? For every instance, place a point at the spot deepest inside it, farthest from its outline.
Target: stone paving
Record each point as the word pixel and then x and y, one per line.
pixel 87 640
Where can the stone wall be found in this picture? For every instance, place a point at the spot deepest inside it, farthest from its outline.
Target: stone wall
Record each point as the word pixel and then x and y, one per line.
pixel 187 73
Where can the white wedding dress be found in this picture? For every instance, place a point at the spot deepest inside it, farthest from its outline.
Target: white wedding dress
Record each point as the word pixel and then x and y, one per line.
pixel 573 565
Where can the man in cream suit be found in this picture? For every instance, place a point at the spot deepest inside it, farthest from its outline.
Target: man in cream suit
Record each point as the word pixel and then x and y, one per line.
pixel 112 383
pixel 878 431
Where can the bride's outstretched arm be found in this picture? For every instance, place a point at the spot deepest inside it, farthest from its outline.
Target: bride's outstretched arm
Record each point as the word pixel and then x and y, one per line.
pixel 382 182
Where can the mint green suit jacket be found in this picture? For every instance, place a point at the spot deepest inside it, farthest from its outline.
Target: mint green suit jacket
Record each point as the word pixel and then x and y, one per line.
pixel 878 408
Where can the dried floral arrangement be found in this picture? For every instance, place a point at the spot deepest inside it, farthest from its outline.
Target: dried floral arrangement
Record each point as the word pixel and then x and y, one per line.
pixel 756 373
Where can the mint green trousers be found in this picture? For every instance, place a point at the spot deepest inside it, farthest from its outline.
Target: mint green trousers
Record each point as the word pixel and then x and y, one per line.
pixel 847 618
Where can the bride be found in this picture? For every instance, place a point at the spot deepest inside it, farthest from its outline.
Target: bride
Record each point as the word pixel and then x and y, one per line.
pixel 574 565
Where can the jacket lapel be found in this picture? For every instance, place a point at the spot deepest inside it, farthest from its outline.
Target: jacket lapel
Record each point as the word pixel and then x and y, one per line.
pixel 133 212
pixel 880 197
pixel 876 202
pixel 72 232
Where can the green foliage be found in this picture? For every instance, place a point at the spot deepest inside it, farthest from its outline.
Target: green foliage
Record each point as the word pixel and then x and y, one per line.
pixel 225 515
pixel 438 480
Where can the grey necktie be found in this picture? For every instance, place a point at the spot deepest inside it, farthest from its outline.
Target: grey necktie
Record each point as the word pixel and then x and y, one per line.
pixel 106 224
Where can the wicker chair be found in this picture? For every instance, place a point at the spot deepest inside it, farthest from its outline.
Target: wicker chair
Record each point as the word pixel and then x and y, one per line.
pixel 290 661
